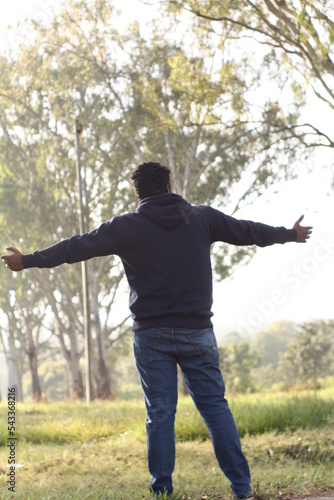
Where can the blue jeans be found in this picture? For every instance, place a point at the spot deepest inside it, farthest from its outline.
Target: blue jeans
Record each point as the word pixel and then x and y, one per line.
pixel 157 353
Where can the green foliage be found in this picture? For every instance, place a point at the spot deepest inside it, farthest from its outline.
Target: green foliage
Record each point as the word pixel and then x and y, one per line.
pixel 281 412
pixel 294 355
pixel 310 355
pixel 273 341
pixel 54 380
pixel 237 360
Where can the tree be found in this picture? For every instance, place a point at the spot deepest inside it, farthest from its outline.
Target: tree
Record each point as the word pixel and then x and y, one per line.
pixel 295 35
pixel 270 344
pixel 54 381
pixel 237 360
pixel 273 341
pixel 309 355
pixel 39 104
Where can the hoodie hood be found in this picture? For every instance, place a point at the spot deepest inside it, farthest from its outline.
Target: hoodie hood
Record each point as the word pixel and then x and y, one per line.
pixel 169 210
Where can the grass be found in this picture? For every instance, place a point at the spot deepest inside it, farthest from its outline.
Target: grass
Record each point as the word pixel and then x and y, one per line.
pixel 73 451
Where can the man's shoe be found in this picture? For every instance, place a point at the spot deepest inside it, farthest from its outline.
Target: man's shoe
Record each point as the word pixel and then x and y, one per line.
pixel 249 496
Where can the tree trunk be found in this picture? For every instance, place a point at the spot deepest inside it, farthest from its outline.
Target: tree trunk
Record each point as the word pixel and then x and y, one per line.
pixel 36 387
pixel 14 375
pixel 32 354
pixel 72 359
pixel 75 378
pixel 101 373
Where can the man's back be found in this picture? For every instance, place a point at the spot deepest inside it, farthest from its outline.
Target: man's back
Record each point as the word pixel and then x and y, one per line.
pixel 165 249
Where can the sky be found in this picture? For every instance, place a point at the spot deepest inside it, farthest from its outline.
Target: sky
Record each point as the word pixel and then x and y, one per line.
pixel 292 281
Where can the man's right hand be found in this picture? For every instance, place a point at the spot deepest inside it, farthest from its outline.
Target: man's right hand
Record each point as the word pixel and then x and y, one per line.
pixel 303 232
pixel 14 260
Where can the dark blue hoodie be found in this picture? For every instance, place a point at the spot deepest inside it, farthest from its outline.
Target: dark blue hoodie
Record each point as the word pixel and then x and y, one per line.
pixel 165 249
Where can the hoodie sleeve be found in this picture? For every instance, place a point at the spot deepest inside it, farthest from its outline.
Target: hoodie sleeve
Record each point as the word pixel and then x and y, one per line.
pixel 100 242
pixel 242 232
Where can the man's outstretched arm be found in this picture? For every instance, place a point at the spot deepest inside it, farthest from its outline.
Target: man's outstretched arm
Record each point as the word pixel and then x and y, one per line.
pixel 100 242
pixel 243 232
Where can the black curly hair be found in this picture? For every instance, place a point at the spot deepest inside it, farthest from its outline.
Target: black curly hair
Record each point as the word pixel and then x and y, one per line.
pixel 150 178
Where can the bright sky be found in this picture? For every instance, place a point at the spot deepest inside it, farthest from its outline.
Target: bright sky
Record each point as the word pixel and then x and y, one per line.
pixel 282 282
pixel 291 281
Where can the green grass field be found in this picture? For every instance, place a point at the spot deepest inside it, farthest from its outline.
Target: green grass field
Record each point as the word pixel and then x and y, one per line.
pixel 72 451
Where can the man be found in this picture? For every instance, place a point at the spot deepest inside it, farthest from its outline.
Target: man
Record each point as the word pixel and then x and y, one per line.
pixel 165 249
